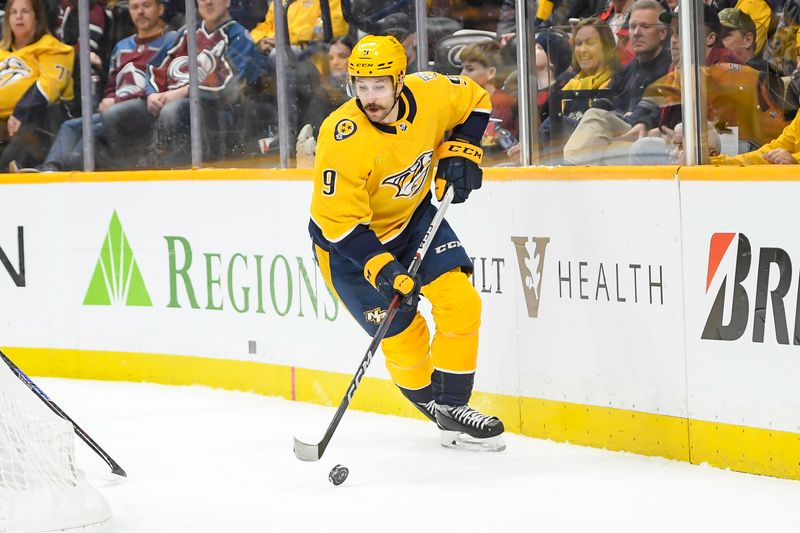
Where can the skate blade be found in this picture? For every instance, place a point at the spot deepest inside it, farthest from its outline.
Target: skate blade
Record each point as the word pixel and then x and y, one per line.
pixel 462 441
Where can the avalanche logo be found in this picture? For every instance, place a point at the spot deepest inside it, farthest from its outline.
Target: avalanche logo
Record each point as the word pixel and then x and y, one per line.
pixel 12 70
pixel 410 180
pixel 531 270
pixel 344 129
pixel 454 55
pixel 130 81
pixel 213 69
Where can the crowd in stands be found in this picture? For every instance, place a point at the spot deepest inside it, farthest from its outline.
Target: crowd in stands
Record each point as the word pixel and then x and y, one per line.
pixel 607 76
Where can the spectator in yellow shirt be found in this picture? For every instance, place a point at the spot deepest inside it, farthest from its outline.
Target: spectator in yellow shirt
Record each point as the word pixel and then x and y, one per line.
pixel 35 72
pixel 305 24
pixel 761 14
pixel 785 150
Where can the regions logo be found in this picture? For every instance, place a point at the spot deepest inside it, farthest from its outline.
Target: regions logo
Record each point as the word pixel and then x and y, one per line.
pixel 344 129
pixel 17 274
pixel 409 181
pixel 117 279
pixel 375 316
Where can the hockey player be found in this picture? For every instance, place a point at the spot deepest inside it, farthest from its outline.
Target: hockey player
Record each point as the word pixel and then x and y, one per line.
pixel 370 208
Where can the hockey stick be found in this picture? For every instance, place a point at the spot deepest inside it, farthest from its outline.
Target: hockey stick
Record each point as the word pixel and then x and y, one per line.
pixel 313 452
pixel 115 468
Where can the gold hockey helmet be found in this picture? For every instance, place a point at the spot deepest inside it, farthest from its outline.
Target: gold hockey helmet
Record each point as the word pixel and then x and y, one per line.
pixel 377 55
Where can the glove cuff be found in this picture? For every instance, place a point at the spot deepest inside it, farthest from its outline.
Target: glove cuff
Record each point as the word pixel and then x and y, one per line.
pixel 374 265
pixel 460 149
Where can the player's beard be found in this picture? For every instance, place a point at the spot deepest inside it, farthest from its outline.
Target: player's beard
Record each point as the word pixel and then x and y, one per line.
pixel 376 113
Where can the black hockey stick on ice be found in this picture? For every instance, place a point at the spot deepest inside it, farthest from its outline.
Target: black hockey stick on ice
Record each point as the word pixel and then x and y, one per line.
pixel 313 452
pixel 115 468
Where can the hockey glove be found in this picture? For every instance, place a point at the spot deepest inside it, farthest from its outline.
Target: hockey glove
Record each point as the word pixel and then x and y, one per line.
pixel 306 147
pixel 458 166
pixel 389 277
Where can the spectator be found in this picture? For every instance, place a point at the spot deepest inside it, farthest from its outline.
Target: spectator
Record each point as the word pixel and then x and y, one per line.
pixel 716 52
pixel 761 14
pixel 739 36
pixel 305 24
pixel 594 62
pixel 594 140
pixel 617 16
pixel 782 51
pixel 66 29
pixel 329 95
pixel 37 72
pixel 784 150
pixel 228 62
pixel 480 62
pixel 126 81
pixel 332 92
pixel 553 58
pixel 734 97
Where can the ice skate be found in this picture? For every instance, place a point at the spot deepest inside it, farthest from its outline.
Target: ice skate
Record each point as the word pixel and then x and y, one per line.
pixel 428 409
pixel 465 428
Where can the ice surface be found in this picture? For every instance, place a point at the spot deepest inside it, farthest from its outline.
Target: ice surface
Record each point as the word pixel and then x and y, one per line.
pixel 204 460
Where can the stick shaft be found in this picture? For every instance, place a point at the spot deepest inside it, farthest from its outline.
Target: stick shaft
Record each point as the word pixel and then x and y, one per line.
pixel 115 468
pixel 307 452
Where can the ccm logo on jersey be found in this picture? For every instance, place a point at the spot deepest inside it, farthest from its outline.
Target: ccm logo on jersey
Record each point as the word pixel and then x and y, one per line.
pixel 447 246
pixel 344 129
pixel 410 180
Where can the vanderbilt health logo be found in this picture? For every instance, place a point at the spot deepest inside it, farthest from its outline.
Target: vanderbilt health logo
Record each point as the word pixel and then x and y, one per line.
pixel 730 312
pixel 117 279
pixel 530 269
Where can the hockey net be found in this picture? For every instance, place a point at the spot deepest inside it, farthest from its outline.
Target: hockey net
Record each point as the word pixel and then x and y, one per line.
pixel 41 488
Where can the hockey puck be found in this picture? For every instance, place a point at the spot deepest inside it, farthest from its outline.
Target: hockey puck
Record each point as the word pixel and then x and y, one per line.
pixel 338 475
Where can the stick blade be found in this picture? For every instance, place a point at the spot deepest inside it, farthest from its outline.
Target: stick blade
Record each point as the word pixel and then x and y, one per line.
pixel 306 452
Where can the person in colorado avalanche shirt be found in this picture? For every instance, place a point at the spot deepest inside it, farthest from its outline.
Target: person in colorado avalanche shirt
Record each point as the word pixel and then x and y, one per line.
pixel 228 60
pixel 126 81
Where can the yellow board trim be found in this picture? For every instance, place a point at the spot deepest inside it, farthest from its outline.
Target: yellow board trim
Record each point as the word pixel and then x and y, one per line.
pixel 291 174
pixel 741 448
pixel 739 173
pixel 758 451
pixel 622 173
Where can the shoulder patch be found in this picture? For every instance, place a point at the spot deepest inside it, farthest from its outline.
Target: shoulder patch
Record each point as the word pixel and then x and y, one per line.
pixel 344 129
pixel 426 76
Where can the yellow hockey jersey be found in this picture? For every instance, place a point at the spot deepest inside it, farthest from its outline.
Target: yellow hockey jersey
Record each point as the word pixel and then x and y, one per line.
pixel 47 64
pixel 374 176
pixel 303 18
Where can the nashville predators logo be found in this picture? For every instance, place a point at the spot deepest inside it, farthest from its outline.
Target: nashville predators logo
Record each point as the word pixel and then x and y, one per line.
pixel 375 316
pixel 411 180
pixel 344 129
pixel 13 69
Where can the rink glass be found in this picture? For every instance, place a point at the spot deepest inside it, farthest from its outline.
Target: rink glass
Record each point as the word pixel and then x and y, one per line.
pixel 745 107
